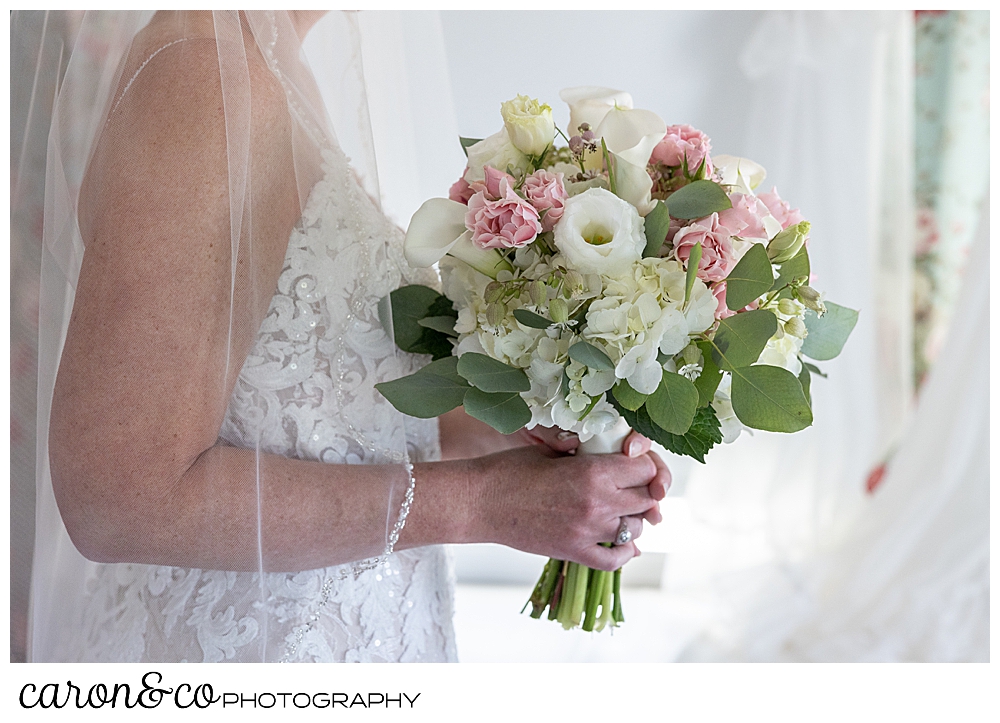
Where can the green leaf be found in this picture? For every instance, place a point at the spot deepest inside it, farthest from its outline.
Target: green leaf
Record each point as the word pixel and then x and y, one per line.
pixel 444 324
pixel 769 398
pixel 813 368
pixel 657 223
pixel 506 412
pixel 704 433
pixel 591 356
pixel 467 142
pixel 708 381
pixel 692 270
pixel 609 163
pixel 795 268
pixel 490 375
pixel 751 279
pixel 698 199
pixel 804 379
pixel 741 338
pixel 432 391
pixel 531 319
pixel 828 333
pixel 409 305
pixel 672 406
pixel 627 396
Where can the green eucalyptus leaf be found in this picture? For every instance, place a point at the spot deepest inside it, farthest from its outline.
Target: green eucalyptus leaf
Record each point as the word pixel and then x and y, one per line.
pixel 698 199
pixel 506 412
pixel 467 143
pixel 435 389
pixel 531 319
pixel 769 398
pixel 444 324
pixel 740 339
pixel 490 375
pixel 708 381
pixel 656 225
pixel 692 270
pixel 813 368
pixel 591 356
pixel 805 378
pixel 409 305
pixel 828 333
pixel 627 396
pixel 795 268
pixel 750 279
pixel 673 405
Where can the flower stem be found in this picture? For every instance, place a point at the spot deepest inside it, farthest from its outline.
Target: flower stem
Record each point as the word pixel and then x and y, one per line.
pixel 557 593
pixel 595 591
pixel 616 613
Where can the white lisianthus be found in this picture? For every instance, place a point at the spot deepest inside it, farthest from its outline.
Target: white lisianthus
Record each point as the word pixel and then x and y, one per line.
pixel 496 151
pixel 742 173
pixel 438 228
pixel 529 124
pixel 600 233
pixel 589 104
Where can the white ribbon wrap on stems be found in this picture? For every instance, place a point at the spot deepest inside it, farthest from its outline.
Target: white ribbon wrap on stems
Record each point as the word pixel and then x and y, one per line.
pixel 608 441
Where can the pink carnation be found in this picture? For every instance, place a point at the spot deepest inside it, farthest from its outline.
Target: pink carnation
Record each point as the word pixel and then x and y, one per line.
pixel 460 191
pixel 745 218
pixel 721 310
pixel 509 222
pixel 545 191
pixel 716 247
pixel 782 212
pixel 682 142
pixel 495 185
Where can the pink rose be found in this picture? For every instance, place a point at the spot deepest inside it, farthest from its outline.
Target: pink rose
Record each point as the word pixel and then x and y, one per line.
pixel 545 191
pixel 716 248
pixel 495 185
pixel 460 191
pixel 683 142
pixel 782 212
pixel 745 218
pixel 721 310
pixel 509 222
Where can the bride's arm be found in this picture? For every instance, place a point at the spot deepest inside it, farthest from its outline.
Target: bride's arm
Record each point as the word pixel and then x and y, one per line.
pixel 143 382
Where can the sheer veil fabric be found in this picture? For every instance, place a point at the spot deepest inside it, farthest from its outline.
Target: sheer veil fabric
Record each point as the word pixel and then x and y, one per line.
pixel 298 264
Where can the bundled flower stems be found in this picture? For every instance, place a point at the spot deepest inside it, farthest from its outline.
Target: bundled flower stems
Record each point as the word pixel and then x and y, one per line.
pixel 615 271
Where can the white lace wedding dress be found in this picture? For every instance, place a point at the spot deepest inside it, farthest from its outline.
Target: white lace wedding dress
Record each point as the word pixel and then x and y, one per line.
pixel 307 390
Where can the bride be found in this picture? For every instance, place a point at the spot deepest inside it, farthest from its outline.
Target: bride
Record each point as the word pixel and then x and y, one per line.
pixel 219 480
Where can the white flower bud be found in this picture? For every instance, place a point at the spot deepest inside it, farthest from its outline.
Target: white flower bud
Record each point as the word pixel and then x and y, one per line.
pixel 691 354
pixel 812 299
pixel 494 290
pixel 788 307
pixel 795 327
pixel 558 310
pixel 788 242
pixel 495 314
pixel 538 291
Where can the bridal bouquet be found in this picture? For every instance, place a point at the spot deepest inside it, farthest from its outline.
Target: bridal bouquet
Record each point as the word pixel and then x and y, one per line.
pixel 618 275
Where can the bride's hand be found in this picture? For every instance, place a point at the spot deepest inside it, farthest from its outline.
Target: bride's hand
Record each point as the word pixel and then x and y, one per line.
pixel 564 507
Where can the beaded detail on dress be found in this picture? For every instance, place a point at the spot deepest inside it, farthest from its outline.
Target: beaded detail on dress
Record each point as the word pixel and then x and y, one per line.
pixel 306 391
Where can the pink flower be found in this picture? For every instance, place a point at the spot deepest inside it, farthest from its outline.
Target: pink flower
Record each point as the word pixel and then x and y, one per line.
pixel 460 191
pixel 683 142
pixel 721 310
pixel 782 212
pixel 545 191
pixel 509 222
pixel 745 218
pixel 495 185
pixel 716 248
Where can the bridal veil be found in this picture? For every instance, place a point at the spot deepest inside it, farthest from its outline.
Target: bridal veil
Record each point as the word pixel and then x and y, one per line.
pixel 101 59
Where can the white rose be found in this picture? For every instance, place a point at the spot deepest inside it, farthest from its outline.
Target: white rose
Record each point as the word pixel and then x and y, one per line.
pixel 589 104
pixel 529 124
pixel 600 233
pixel 496 151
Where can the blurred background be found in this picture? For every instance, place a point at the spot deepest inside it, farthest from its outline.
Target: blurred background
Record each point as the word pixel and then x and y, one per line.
pixel 863 538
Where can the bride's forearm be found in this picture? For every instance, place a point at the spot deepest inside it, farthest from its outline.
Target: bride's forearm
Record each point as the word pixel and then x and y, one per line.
pixel 312 514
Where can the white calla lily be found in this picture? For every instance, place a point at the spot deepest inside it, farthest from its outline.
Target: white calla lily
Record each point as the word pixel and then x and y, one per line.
pixel 589 104
pixel 742 173
pixel 633 184
pixel 438 228
pixel 632 134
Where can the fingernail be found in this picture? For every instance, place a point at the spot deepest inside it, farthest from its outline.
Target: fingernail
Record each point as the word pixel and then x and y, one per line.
pixel 563 436
pixel 634 448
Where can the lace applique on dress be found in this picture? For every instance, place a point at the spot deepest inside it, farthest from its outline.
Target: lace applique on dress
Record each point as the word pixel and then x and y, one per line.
pixel 306 391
